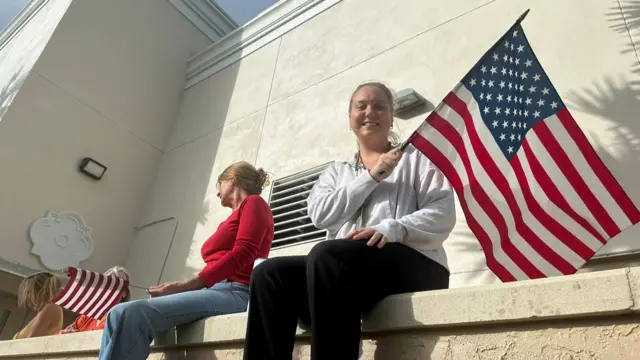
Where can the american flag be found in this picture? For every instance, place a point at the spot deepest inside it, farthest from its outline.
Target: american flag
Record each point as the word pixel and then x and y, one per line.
pixel 91 294
pixel 533 190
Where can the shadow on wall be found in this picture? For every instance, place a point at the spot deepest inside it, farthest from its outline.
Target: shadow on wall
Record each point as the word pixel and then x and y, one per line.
pixel 10 89
pixel 617 99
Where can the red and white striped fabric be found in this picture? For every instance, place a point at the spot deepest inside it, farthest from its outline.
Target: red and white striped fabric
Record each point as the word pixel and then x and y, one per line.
pixel 533 190
pixel 91 294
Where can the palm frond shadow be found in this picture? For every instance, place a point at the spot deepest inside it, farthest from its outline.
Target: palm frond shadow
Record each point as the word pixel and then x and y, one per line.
pixel 616 101
pixel 624 16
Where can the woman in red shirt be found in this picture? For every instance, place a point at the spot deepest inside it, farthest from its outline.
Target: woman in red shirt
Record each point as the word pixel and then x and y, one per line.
pixel 222 287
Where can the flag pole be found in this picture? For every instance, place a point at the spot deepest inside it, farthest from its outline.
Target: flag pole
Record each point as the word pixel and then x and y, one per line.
pixel 405 143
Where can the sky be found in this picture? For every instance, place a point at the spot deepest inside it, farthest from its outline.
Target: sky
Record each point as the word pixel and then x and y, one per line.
pixel 9 9
pixel 243 10
pixel 240 10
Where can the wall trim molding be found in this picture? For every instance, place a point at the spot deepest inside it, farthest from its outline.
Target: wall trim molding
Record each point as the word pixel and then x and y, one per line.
pixel 19 21
pixel 207 16
pixel 274 22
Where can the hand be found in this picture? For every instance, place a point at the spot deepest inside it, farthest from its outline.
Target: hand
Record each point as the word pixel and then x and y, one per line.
pixel 368 233
pixel 165 289
pixel 385 164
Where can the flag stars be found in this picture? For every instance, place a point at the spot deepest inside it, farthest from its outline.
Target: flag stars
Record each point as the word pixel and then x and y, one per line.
pixel 507 111
pixel 481 96
pixel 520 48
pixel 521 88
pixel 483 82
pixel 512 47
pixel 509 98
pixel 515 33
pixel 486 110
pixel 495 57
pixel 528 101
pixel 512 137
pixel 502 84
pixel 545 91
pixel 483 69
pixel 505 124
pixel 526 113
pixel 510 72
pixel 523 75
pixel 536 77
pixel 494 123
pixel 472 82
pixel 503 137
pixel 504 71
pixel 519 137
pixel 510 59
pixel 491 83
pixel 488 97
pixel 514 124
pixel 554 104
pixel 532 89
pixel 517 61
pixel 536 114
pixel 510 149
pixel 493 70
pixel 499 98
pixel 505 58
pixel 510 86
pixel 527 63
pixel 506 44
pixel 497 111
pixel 540 102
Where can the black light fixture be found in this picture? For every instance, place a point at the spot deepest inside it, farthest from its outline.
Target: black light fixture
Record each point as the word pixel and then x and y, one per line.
pixel 92 168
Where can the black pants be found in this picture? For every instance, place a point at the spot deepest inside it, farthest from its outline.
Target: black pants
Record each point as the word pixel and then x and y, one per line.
pixel 330 289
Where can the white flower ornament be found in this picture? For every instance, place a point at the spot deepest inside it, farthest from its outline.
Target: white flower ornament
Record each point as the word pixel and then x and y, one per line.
pixel 61 240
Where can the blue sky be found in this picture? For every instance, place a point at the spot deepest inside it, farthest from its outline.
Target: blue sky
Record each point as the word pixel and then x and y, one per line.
pixel 240 10
pixel 9 9
pixel 243 10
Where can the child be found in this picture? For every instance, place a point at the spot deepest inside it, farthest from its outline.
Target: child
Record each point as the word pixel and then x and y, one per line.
pixel 35 293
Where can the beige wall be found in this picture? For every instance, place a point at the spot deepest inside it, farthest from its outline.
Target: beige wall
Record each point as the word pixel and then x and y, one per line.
pixel 108 86
pixel 284 106
pixel 18 56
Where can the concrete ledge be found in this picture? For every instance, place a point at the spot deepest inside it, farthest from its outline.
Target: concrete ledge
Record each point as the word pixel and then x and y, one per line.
pixel 585 296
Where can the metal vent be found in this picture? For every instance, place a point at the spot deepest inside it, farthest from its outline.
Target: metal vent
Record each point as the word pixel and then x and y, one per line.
pixel 288 202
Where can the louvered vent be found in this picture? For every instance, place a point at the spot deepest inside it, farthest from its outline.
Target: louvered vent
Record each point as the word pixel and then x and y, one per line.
pixel 288 202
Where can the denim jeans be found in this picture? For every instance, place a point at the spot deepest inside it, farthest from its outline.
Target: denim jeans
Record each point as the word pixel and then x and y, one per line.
pixel 131 326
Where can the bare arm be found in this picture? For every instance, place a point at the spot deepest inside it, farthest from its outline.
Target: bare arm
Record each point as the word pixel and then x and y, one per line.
pixel 48 316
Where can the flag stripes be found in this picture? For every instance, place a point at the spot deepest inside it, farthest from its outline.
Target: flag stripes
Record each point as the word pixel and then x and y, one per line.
pixel 545 212
pixel 91 294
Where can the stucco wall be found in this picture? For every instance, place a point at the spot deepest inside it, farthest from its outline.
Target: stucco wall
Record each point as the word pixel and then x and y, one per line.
pixel 108 86
pixel 284 106
pixel 18 56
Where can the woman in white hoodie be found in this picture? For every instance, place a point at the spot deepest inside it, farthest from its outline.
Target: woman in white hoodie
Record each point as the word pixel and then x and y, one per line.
pixel 390 210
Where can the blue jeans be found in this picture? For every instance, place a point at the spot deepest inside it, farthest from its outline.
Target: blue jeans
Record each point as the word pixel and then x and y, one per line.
pixel 131 326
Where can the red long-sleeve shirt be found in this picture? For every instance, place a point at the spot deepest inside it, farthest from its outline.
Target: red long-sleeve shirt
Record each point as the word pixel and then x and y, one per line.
pixel 241 239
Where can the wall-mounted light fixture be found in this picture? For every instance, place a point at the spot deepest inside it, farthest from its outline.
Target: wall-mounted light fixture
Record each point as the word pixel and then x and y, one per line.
pixel 406 99
pixel 92 168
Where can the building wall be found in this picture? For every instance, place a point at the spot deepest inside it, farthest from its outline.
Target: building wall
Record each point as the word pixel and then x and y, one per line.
pixel 108 86
pixel 284 107
pixel 18 56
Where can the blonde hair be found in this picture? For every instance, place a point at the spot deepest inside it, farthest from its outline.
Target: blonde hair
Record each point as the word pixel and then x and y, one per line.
pixel 394 139
pixel 123 274
pixel 249 178
pixel 37 290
